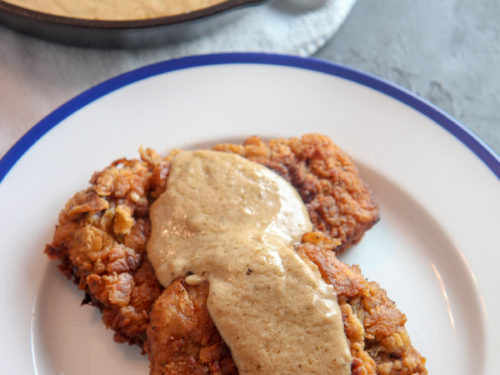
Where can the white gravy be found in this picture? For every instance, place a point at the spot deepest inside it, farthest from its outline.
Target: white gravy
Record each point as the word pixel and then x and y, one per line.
pixel 115 10
pixel 234 223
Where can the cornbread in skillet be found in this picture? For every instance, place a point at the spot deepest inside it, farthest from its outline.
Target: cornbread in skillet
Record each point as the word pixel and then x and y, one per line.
pixel 102 234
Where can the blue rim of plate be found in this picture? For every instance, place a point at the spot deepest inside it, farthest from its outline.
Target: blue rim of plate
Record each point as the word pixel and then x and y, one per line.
pixel 481 150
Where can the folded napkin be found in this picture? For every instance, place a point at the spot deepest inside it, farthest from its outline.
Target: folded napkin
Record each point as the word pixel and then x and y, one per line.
pixel 298 27
pixel 36 76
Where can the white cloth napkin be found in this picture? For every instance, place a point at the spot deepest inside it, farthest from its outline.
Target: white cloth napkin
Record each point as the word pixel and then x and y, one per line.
pixel 36 76
pixel 288 26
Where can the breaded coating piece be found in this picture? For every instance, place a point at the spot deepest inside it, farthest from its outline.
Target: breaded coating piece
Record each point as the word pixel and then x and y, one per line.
pixel 182 339
pixel 101 242
pixel 339 203
pixel 373 325
pixel 101 236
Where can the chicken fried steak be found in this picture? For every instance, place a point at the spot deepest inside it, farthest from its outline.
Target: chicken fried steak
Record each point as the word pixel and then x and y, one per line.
pixel 183 340
pixel 101 239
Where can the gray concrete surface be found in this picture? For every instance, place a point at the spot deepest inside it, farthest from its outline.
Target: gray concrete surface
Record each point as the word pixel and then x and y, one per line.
pixel 447 51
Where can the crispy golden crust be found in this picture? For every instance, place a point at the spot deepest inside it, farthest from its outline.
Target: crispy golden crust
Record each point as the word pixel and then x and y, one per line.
pixel 373 325
pixel 339 203
pixel 101 241
pixel 182 338
pixel 102 233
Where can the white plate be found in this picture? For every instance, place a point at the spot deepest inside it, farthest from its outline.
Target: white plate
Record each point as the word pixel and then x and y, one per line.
pixel 435 250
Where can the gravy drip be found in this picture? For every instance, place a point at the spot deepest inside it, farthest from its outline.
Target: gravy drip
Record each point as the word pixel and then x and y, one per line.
pixel 234 223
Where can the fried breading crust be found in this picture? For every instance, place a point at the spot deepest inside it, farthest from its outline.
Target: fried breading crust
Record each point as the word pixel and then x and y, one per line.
pixel 102 233
pixel 373 325
pixel 339 203
pixel 182 338
pixel 101 246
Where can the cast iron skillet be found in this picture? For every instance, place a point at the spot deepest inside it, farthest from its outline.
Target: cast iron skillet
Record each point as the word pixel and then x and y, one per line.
pixel 120 34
